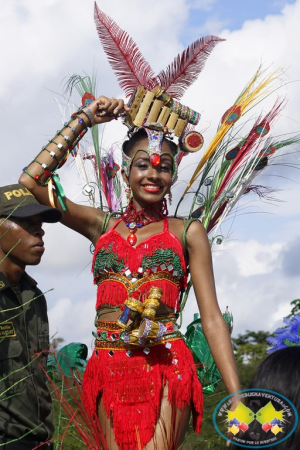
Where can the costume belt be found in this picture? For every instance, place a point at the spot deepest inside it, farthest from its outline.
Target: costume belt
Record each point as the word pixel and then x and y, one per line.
pixel 138 325
pixel 111 336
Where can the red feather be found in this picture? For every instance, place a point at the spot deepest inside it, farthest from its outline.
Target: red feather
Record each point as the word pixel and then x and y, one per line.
pixel 185 68
pixel 252 138
pixel 213 221
pixel 131 69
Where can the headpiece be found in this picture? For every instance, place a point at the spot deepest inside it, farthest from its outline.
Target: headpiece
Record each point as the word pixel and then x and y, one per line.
pixel 154 103
pixel 286 337
pixel 233 158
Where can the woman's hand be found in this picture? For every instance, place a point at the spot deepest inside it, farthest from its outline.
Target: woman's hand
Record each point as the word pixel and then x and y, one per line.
pixel 106 109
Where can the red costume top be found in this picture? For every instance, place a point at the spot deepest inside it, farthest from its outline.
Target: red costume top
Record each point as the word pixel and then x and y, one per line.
pixel 121 270
pixel 130 380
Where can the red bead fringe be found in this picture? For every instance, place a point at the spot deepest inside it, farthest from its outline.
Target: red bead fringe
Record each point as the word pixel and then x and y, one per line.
pixel 131 389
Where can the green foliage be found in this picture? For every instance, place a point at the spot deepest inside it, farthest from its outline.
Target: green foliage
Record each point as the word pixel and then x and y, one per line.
pixel 251 346
pixel 295 304
pixel 71 440
pixel 208 439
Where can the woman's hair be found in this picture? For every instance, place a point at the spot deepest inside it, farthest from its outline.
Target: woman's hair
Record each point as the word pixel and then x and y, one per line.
pixel 140 135
pixel 280 372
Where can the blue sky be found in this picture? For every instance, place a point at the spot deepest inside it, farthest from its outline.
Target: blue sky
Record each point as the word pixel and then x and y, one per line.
pixel 233 13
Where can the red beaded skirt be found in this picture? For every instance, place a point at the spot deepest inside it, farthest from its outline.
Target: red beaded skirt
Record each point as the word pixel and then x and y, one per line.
pixel 130 382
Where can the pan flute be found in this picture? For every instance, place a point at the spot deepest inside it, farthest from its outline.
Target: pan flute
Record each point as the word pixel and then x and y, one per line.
pixel 158 107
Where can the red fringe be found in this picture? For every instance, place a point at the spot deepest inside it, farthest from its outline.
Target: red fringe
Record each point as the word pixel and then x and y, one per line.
pixel 131 389
pixel 114 293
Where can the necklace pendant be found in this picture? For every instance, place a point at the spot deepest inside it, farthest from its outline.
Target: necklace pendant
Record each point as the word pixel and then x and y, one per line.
pixel 132 239
pixel 132 225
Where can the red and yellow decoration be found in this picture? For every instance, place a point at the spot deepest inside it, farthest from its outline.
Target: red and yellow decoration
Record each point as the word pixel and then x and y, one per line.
pixel 192 142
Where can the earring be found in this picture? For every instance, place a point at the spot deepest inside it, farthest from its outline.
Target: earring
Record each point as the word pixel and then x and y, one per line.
pixel 128 193
pixel 170 197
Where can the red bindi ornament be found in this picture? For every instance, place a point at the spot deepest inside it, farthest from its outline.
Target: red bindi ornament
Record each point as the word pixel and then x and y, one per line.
pixel 155 159
pixel 132 239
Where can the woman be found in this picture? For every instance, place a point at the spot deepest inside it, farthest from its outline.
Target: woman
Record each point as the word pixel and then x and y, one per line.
pixel 143 395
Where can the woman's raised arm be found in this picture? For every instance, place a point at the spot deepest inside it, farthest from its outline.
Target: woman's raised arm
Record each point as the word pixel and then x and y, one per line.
pixel 213 323
pixel 83 219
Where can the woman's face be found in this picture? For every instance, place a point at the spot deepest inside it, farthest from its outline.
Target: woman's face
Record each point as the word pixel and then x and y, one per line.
pixel 150 184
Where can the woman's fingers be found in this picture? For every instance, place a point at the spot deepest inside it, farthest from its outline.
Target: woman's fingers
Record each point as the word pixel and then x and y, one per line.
pixel 106 109
pixel 110 105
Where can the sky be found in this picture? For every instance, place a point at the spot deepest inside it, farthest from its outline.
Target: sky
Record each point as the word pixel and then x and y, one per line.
pixel 257 267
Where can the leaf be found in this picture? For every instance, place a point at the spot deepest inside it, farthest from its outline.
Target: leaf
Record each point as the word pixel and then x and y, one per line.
pixel 131 69
pixel 185 68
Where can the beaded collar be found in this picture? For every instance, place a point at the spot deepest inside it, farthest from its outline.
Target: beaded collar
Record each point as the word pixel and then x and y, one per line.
pixel 137 219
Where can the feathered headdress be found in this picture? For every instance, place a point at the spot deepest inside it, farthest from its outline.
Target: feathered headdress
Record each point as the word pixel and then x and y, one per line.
pixel 132 70
pixel 154 98
pixel 230 162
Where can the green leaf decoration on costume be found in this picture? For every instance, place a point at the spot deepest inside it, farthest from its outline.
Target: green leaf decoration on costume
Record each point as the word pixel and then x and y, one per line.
pixel 69 358
pixel 207 371
pixel 100 336
pixel 163 256
pixel 107 259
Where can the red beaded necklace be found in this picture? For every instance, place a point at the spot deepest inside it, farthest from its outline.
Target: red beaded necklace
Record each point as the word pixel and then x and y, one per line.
pixel 137 219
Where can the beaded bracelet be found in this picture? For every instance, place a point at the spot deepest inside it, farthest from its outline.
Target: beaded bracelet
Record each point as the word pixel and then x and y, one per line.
pixel 60 146
pixel 53 179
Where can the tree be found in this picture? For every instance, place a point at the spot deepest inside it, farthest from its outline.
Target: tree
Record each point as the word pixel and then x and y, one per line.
pixel 295 304
pixel 251 346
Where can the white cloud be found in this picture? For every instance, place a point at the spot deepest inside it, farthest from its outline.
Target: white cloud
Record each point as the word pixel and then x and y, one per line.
pixel 282 310
pixel 251 282
pixel 254 258
pixel 73 322
pixel 213 25
pixel 260 297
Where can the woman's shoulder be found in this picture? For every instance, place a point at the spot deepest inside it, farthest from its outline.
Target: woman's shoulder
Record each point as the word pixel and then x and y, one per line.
pixel 184 223
pixel 186 229
pixel 176 224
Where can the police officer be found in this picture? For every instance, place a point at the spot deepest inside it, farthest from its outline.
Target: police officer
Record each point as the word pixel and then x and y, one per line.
pixel 25 402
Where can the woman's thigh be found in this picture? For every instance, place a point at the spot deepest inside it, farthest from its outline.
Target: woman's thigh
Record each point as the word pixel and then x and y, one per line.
pixel 171 426
pixel 169 431
pixel 106 425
